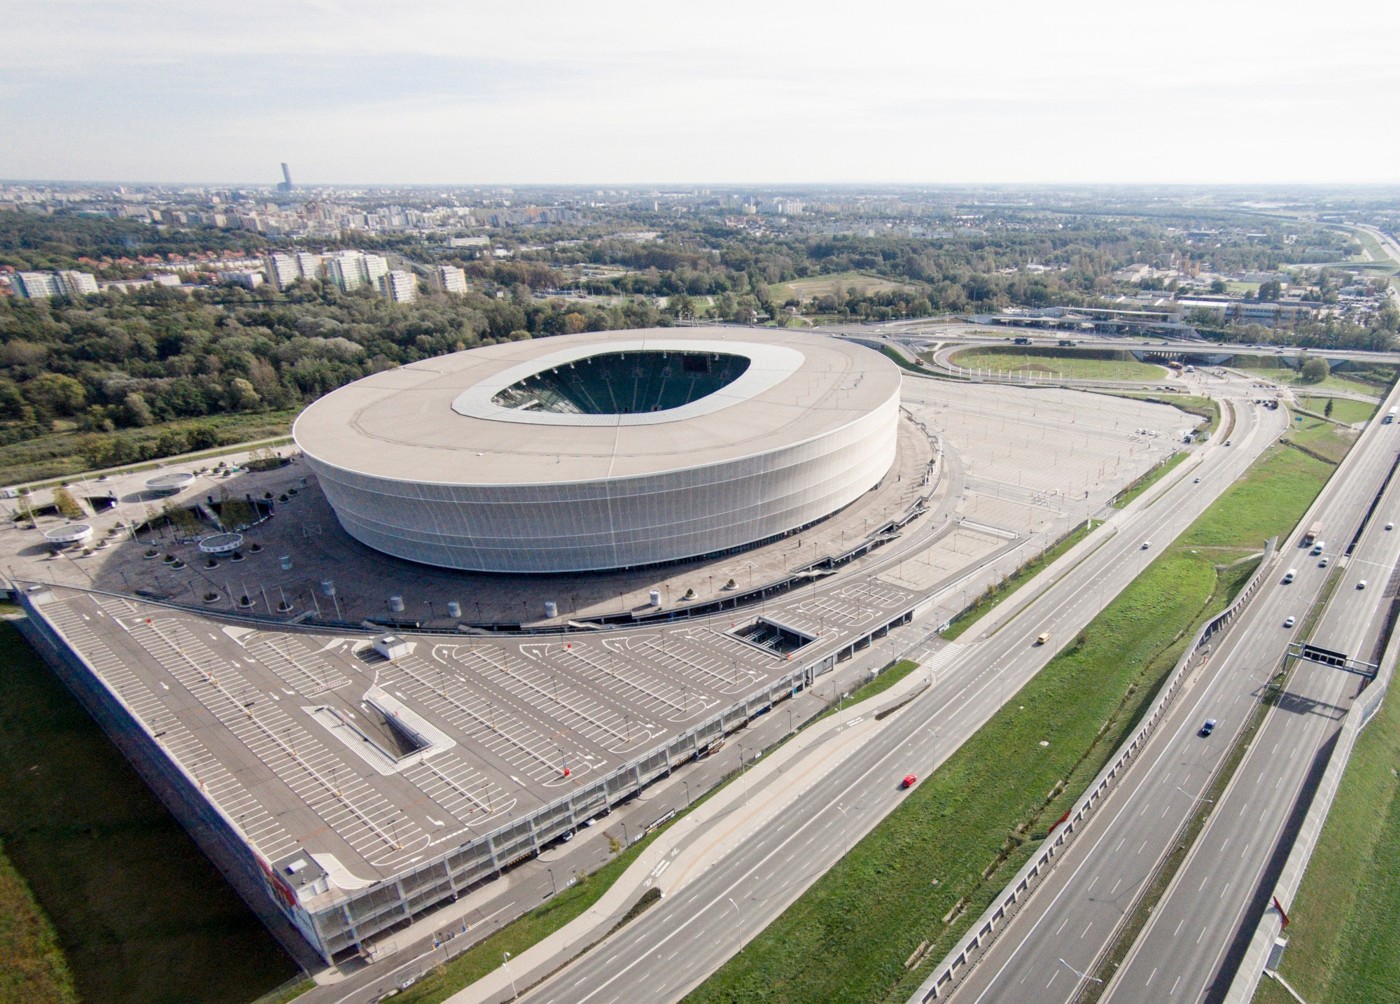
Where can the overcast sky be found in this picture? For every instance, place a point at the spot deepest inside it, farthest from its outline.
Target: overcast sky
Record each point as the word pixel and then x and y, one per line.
pixel 537 91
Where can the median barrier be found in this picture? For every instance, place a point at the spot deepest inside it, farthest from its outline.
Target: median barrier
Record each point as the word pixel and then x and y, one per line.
pixel 958 963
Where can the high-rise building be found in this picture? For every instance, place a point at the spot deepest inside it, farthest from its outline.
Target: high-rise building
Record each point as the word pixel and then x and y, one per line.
pixel 376 267
pixel 35 285
pixel 346 269
pixel 452 279
pixel 71 283
pixel 400 286
pixel 309 265
pixel 282 269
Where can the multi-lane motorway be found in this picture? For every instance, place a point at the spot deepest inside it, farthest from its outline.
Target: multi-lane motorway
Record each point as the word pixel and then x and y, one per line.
pixel 701 923
pixel 1185 953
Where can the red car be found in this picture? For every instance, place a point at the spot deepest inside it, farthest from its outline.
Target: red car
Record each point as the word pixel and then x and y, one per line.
pixel 909 780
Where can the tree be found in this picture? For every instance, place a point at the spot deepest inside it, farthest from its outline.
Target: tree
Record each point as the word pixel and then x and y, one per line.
pixel 66 504
pixel 1327 411
pixel 55 394
pixel 1315 370
pixel 1218 286
pixel 1270 290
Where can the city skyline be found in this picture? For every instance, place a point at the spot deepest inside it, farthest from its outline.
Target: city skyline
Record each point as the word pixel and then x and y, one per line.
pixel 426 93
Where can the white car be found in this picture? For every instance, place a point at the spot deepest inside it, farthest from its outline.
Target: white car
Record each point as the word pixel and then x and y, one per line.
pixel 1289 621
pixel 1146 544
pixel 1361 584
pixel 1390 526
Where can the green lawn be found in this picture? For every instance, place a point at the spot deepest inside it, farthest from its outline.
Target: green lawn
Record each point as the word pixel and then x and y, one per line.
pixel 1105 365
pixel 61 454
pixel 1288 377
pixel 1268 501
pixel 140 912
pixel 1149 479
pixel 837 284
pixel 964 831
pixel 1322 437
pixel 960 834
pixel 557 911
pixel 32 967
pixel 1344 409
pixel 1345 921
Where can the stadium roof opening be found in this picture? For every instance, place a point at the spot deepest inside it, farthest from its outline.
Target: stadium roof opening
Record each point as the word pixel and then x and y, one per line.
pixel 624 383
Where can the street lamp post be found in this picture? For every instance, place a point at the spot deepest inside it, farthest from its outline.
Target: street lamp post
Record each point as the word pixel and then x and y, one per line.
pixel 845 836
pixel 505 961
pixel 738 923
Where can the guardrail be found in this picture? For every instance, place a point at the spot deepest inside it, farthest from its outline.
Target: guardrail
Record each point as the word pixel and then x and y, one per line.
pixel 958 963
pixel 1257 955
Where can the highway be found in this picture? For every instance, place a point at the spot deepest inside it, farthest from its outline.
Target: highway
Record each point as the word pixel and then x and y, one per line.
pixel 1073 918
pixel 1226 881
pixel 702 921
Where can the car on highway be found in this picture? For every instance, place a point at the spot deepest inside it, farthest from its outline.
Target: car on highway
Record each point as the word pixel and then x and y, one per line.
pixel 1361 584
pixel 909 781
pixel 1196 481
pixel 1207 728
pixel 1322 563
pixel 1043 638
pixel 1289 621
pixel 1390 526
pixel 1227 442
pixel 1290 575
pixel 1146 544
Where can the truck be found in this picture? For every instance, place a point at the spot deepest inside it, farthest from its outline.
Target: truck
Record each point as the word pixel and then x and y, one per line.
pixel 1313 534
pixel 1020 341
pixel 1390 416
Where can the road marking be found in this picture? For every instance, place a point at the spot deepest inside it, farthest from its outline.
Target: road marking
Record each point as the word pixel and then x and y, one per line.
pixel 1061 927
pixel 1149 978
pixel 1086 929
pixel 1175 933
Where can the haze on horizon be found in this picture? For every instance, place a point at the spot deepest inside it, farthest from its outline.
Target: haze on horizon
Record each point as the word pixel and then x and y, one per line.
pixel 431 92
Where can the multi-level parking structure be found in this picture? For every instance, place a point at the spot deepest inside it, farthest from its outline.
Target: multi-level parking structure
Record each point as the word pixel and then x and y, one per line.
pixel 604 450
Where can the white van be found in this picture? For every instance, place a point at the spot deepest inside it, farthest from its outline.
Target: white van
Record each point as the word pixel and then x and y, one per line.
pixel 1319 547
pixel 1290 575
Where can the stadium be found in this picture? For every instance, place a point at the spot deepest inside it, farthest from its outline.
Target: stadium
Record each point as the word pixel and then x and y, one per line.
pixel 605 450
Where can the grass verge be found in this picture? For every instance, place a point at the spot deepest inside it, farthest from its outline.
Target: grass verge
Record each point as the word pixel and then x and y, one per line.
pixel 911 888
pixel 139 911
pixel 1149 479
pixel 1080 365
pixel 1142 912
pixel 445 980
pixel 987 602
pixel 869 928
pixel 65 454
pixel 1346 916
pixel 1344 409
pixel 32 967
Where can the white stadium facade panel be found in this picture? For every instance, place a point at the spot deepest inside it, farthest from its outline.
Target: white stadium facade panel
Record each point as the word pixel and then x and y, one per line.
pixel 772 432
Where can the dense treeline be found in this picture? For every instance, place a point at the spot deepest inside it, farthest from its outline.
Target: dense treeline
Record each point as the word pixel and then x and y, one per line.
pixel 30 241
pixel 114 363
pixel 159 371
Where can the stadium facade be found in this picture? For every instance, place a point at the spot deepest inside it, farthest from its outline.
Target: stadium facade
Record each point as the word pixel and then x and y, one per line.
pixel 605 450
